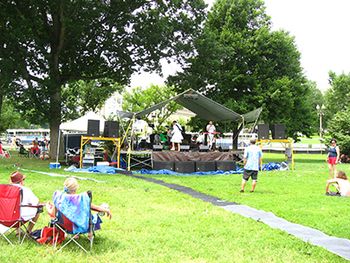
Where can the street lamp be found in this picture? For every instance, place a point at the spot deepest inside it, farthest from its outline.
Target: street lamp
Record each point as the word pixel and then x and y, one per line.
pixel 320 112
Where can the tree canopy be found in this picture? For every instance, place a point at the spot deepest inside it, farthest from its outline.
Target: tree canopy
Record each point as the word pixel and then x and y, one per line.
pixel 243 64
pixel 46 44
pixel 140 99
pixel 337 97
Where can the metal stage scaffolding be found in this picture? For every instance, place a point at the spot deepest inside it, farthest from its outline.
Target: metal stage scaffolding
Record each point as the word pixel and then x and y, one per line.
pixel 86 139
pixel 286 143
pixel 137 159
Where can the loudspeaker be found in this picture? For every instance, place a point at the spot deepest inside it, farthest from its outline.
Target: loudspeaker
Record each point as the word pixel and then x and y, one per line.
pixel 263 131
pixel 157 147
pixel 111 129
pixel 185 167
pixel 184 148
pixel 161 165
pixel 93 128
pixel 278 131
pixel 203 148
pixel 227 165
pixel 205 166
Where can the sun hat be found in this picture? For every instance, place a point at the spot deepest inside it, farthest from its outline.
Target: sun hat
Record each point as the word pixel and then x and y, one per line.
pixel 17 177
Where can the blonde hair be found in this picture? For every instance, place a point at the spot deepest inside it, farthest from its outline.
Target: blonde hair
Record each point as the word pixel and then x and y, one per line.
pixel 70 185
pixel 342 175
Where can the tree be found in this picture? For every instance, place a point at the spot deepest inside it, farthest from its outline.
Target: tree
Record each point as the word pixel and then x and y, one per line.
pixel 10 118
pixel 339 128
pixel 243 64
pixel 139 100
pixel 47 44
pixel 337 97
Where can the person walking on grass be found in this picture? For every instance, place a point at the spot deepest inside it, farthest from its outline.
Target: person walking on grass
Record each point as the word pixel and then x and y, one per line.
pixel 251 159
pixel 333 158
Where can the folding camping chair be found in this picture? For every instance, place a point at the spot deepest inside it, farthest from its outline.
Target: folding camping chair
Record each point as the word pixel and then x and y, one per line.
pixel 62 223
pixel 10 212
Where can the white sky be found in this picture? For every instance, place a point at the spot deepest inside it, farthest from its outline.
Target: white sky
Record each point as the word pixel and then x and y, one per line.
pixel 321 31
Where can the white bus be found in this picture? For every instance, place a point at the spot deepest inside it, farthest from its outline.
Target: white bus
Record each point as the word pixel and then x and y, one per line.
pixel 27 135
pixel 225 141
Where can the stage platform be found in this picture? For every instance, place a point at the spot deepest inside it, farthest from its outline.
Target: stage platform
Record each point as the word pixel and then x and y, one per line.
pixel 195 156
pixel 145 159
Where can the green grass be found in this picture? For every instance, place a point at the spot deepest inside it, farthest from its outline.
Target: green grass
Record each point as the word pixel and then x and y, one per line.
pixel 312 140
pixel 154 224
pixel 298 196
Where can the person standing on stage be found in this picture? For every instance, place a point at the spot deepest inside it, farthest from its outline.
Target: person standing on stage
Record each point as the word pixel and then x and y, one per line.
pixel 251 159
pixel 176 137
pixel 211 133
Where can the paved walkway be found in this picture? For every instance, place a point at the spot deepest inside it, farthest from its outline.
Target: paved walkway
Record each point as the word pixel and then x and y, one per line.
pixel 338 246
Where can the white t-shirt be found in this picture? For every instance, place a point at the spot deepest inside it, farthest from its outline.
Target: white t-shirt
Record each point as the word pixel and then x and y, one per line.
pixel 252 154
pixel 29 198
pixel 211 128
pixel 344 187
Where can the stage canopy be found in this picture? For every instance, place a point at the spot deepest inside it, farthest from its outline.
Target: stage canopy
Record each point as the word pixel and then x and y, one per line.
pixel 205 108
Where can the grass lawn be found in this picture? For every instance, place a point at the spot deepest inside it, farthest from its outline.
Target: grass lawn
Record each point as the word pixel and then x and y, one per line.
pixel 313 140
pixel 298 196
pixel 154 224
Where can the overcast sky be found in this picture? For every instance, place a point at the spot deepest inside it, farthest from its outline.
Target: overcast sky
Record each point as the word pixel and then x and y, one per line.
pixel 321 31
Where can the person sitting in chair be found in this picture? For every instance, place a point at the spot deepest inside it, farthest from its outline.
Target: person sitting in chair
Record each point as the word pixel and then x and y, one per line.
pixel 35 150
pixel 63 200
pixel 28 199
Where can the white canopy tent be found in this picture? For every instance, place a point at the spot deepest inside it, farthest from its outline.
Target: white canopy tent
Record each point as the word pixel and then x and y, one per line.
pixel 79 125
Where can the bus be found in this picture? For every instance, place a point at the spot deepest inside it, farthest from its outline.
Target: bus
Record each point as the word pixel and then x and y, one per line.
pixel 225 141
pixel 26 136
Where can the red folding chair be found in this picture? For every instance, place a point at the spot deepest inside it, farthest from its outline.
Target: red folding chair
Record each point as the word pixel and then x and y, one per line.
pixel 10 212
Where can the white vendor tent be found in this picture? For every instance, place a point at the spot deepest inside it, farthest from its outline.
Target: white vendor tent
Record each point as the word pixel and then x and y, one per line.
pixel 80 124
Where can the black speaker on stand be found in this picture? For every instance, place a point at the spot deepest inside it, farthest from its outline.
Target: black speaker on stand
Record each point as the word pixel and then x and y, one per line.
pixel 278 131
pixel 111 129
pixel 93 128
pixel 263 131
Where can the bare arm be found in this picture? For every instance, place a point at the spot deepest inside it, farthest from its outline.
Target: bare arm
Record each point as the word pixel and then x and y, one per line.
pixel 101 209
pixel 338 154
pixel 330 182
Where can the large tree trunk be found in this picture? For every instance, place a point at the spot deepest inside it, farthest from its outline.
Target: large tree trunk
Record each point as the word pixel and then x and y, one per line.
pixel 55 120
pixel 55 81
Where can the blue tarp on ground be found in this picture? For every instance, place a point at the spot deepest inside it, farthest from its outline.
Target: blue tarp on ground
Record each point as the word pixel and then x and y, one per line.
pixel 95 169
pixel 113 170
pixel 169 172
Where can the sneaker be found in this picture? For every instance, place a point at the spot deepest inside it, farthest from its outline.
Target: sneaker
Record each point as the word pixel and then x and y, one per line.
pixel 241 191
pixel 251 191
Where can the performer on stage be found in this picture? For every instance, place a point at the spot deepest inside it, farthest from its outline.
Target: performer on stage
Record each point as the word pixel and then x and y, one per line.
pixel 176 137
pixel 211 133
